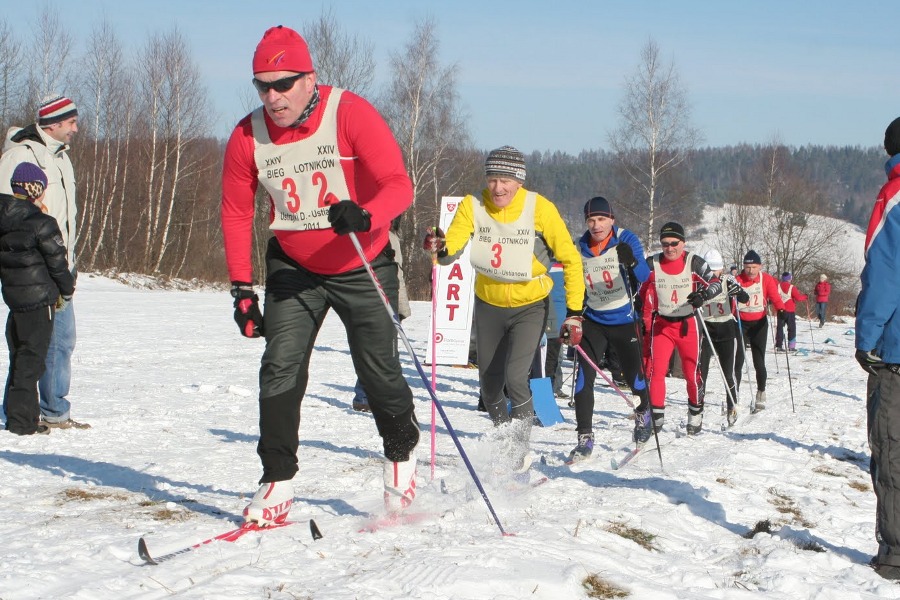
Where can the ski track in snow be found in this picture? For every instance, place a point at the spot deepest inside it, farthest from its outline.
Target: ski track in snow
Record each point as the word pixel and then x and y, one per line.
pixel 170 389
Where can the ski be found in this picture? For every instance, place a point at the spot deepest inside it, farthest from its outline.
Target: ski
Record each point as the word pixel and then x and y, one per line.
pixel 228 536
pixel 632 454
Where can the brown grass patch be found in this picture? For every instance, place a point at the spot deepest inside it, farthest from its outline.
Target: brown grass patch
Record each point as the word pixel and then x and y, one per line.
pixel 87 495
pixel 638 536
pixel 597 587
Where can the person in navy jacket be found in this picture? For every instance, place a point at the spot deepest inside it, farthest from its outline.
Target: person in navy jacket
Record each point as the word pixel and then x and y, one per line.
pixel 878 352
pixel 614 267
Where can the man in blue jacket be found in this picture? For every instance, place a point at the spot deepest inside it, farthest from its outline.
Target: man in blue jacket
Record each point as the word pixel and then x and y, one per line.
pixel 878 352
pixel 614 266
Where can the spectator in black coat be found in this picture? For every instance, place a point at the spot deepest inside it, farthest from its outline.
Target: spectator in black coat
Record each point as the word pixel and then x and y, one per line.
pixel 36 282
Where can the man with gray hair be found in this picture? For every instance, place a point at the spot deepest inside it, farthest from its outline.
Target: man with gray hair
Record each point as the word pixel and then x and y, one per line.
pixel 45 143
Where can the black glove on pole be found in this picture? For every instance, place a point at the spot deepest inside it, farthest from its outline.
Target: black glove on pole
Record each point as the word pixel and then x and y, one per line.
pixel 626 255
pixel 696 299
pixel 346 216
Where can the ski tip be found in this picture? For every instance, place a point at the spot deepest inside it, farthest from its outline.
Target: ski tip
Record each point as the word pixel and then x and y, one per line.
pixel 314 530
pixel 144 553
pixel 614 464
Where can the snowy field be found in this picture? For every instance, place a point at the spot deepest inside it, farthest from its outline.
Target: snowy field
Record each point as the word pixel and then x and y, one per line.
pixel 170 389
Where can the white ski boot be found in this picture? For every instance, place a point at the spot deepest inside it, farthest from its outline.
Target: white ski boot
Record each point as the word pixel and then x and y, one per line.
pixel 271 503
pixel 399 484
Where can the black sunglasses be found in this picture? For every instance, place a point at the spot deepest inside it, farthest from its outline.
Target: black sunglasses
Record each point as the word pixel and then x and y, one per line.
pixel 669 244
pixel 279 85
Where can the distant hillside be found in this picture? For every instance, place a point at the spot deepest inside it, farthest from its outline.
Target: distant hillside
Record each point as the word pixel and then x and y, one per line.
pixel 849 178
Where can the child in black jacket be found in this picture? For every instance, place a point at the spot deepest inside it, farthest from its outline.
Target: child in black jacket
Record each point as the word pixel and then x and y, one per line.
pixel 35 275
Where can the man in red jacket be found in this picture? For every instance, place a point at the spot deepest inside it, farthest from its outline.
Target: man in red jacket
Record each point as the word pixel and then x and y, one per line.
pixel 823 291
pixel 679 283
pixel 790 295
pixel 763 290
pixel 330 167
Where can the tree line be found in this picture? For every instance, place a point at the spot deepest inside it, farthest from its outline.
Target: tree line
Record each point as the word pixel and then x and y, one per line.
pixel 148 166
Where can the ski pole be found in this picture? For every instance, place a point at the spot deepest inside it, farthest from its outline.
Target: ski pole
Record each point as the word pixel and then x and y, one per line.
pixel 772 329
pixel 809 320
pixel 434 288
pixel 434 398
pixel 716 356
pixel 640 338
pixel 594 366
pixel 790 383
pixel 744 353
pixel 574 380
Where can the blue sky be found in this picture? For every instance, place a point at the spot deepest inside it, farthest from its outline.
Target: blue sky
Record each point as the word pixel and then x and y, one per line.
pixel 548 75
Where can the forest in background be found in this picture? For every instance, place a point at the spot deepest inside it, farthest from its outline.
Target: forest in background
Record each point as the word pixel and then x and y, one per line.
pixel 148 167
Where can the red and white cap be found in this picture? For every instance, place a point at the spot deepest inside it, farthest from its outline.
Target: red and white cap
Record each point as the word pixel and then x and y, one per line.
pixel 55 109
pixel 282 49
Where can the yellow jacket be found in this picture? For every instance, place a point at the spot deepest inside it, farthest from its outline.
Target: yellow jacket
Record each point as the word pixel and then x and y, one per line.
pixel 553 242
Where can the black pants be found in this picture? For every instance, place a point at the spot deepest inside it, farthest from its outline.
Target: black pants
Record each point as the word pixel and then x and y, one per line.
pixel 789 319
pixel 296 304
pixel 755 333
pixel 595 340
pixel 883 419
pixel 723 336
pixel 28 337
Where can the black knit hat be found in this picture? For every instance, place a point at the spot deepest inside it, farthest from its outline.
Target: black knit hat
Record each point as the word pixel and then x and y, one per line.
pixel 752 258
pixel 892 137
pixel 672 230
pixel 598 206
pixel 505 162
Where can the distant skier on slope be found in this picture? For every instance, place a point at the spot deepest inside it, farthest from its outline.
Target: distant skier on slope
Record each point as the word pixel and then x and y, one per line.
pixel 790 294
pixel 763 290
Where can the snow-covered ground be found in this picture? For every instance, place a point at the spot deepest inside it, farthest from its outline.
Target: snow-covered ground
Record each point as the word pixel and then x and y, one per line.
pixel 170 389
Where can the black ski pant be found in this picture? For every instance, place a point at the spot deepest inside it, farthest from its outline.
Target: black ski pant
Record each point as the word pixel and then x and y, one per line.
pixel 595 341
pixel 789 319
pixel 28 338
pixel 296 303
pixel 883 423
pixel 722 335
pixel 507 339
pixel 756 333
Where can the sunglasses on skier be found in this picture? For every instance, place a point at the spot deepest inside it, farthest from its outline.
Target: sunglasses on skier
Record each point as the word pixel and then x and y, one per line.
pixel 279 85
pixel 669 244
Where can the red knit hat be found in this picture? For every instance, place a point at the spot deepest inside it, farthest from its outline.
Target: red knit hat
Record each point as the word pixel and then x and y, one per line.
pixel 282 49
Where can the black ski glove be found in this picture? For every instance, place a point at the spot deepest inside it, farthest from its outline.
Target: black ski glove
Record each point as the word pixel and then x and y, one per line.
pixel 346 216
pixel 737 292
pixel 626 255
pixel 696 299
pixel 869 361
pixel 246 309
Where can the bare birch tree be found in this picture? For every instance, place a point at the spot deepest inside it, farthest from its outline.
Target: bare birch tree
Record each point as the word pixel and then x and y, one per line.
pixel 11 75
pixel 175 116
pixel 51 45
pixel 421 105
pixel 655 135
pixel 342 60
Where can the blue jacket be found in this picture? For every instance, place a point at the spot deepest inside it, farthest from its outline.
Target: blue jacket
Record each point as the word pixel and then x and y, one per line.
pixel 877 319
pixel 625 314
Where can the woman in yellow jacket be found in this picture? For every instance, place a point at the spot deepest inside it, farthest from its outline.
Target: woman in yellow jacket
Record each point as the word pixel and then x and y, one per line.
pixel 516 236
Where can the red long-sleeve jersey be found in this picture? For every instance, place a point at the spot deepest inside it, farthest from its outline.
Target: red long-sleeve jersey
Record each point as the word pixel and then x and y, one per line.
pixel 376 180
pixel 769 295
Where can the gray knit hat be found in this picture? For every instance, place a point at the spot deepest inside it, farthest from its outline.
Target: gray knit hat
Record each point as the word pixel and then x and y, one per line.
pixel 505 162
